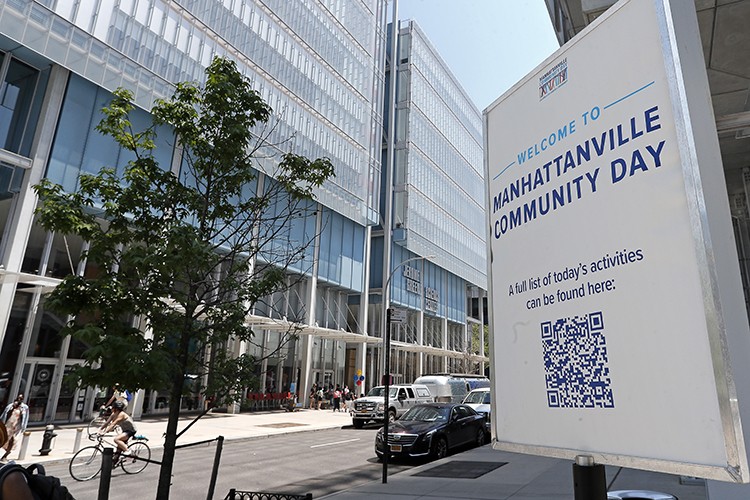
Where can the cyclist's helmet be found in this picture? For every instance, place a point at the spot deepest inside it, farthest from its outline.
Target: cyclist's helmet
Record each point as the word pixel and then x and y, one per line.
pixel 119 405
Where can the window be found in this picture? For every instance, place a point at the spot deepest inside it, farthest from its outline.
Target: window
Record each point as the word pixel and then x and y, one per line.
pixel 16 94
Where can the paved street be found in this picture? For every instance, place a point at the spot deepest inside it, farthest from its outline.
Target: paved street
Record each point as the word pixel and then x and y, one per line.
pixel 320 463
pixel 319 452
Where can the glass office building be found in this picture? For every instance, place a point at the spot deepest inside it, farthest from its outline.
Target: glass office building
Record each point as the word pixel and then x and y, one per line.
pixel 320 64
pixel 433 241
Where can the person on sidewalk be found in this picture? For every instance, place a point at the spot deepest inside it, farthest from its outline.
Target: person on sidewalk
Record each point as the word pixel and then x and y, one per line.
pixel 337 399
pixel 119 417
pixel 313 396
pixel 320 396
pixel 345 395
pixel 15 417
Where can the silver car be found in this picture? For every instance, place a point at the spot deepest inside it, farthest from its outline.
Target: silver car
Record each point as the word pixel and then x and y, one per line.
pixel 479 400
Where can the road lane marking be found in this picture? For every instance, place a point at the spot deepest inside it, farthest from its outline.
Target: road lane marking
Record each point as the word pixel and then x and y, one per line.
pixel 332 444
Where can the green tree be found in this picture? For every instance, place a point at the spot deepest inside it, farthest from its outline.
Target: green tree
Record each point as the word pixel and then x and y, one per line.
pixel 467 361
pixel 181 254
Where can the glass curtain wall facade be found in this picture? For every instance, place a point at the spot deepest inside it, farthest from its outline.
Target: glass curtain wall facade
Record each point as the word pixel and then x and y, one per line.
pixel 437 258
pixel 318 63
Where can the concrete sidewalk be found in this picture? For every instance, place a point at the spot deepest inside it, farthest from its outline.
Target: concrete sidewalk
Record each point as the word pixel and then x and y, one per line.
pixel 71 437
pixel 499 475
pixel 509 476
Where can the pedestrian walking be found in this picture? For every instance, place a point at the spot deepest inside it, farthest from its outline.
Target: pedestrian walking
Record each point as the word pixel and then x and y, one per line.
pixel 16 418
pixel 345 394
pixel 319 397
pixel 313 396
pixel 337 399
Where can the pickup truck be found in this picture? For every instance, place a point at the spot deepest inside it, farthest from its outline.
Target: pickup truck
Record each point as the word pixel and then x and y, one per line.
pixel 400 398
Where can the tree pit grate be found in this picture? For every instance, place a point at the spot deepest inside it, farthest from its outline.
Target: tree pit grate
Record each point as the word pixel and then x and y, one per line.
pixel 461 469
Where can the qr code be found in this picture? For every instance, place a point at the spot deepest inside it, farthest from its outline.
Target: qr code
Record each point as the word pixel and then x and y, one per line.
pixel 575 363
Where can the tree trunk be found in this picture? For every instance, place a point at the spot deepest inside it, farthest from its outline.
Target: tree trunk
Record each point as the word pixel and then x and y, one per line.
pixel 170 440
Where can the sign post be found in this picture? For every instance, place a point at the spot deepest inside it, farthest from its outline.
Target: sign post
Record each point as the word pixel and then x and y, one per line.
pixel 614 285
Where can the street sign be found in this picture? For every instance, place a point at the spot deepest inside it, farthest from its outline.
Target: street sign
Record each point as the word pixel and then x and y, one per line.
pixel 398 315
pixel 615 289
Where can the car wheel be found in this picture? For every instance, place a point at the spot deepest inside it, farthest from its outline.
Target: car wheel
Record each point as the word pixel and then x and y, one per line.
pixel 480 440
pixel 440 449
pixel 391 416
pixel 358 424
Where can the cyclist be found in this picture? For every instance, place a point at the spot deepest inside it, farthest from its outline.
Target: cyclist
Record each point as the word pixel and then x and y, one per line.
pixel 119 417
pixel 118 394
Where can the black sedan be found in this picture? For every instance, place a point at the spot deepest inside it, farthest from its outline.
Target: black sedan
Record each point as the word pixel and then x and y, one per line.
pixel 432 429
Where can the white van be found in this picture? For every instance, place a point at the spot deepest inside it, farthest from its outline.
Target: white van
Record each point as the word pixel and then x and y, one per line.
pixel 400 398
pixel 452 387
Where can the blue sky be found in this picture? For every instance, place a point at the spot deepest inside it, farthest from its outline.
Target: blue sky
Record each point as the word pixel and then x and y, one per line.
pixel 488 44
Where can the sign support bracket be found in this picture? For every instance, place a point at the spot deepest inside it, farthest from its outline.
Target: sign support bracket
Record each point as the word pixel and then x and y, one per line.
pixel 589 479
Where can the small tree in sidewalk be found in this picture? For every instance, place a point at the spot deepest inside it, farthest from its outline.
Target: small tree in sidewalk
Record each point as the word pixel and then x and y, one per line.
pixel 180 258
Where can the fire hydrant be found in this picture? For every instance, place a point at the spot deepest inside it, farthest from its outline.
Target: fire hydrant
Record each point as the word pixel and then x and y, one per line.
pixel 49 434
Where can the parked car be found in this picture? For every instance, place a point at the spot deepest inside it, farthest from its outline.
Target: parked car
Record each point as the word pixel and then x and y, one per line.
pixel 452 387
pixel 480 400
pixel 400 399
pixel 432 429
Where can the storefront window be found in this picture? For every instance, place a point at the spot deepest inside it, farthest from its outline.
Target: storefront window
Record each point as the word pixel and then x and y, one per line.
pixel 12 344
pixel 32 260
pixel 45 336
pixel 16 94
pixel 5 206
pixel 64 255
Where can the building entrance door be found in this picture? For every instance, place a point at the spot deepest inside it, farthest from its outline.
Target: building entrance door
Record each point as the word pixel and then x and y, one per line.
pixel 69 406
pixel 36 384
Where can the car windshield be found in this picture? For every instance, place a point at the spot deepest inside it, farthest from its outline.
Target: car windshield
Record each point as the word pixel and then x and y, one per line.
pixel 426 414
pixel 478 397
pixel 377 391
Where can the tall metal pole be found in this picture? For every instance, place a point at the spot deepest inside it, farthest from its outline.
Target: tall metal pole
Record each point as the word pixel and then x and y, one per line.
pixel 387 236
pixel 386 406
pixel 215 468
pixel 387 360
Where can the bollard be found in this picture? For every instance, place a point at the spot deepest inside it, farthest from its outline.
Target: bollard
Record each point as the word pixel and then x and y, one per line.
pixel 77 443
pixel 106 477
pixel 49 434
pixel 215 470
pixel 24 445
pixel 589 479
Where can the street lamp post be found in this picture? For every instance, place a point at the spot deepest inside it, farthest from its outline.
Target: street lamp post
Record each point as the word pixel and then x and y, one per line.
pixel 387 376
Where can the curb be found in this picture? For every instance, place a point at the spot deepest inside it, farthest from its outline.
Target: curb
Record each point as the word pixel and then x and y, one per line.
pixel 60 460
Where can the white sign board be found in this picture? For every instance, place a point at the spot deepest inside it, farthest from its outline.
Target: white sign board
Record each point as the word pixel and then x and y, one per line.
pixel 609 229
pixel 398 315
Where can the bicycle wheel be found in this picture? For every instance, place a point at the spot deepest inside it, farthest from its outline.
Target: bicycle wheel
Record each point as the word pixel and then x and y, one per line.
pixel 86 464
pixel 136 462
pixel 96 424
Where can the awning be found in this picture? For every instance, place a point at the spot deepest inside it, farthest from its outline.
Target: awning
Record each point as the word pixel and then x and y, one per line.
pixel 284 325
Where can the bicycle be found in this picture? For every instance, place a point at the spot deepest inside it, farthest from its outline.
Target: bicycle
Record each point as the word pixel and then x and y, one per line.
pixel 98 422
pixel 87 462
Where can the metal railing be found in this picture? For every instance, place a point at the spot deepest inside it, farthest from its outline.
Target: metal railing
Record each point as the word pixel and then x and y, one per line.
pixel 255 495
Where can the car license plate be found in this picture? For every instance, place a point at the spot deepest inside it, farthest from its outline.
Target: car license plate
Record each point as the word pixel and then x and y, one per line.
pixel 395 447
